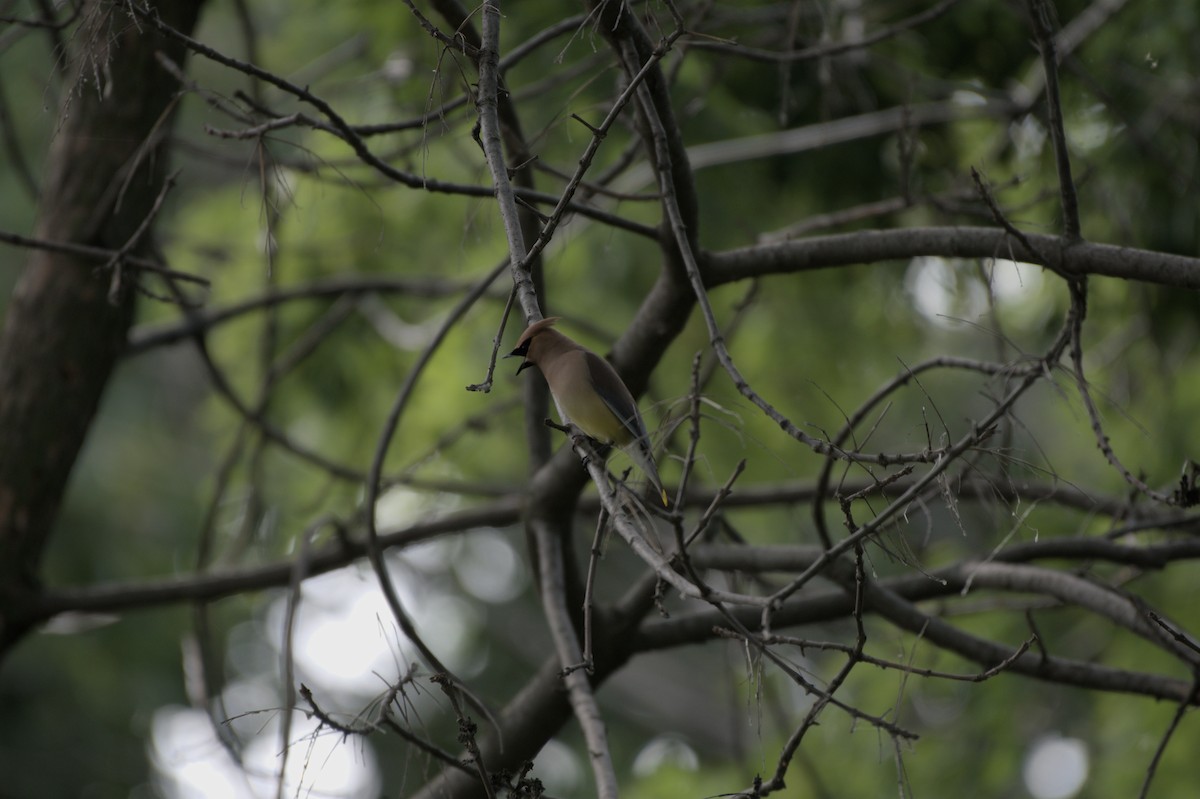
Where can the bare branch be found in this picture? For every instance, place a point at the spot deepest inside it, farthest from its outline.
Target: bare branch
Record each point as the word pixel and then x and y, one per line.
pixel 1040 12
pixel 100 254
pixel 874 246
pixel 822 50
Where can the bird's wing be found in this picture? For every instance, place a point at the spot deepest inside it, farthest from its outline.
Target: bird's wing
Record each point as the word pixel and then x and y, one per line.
pixel 615 395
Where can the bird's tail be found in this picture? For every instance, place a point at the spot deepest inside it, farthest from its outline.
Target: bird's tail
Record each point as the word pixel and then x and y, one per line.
pixel 639 453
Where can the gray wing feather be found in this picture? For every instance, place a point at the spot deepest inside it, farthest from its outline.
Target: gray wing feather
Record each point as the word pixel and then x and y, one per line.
pixel 616 396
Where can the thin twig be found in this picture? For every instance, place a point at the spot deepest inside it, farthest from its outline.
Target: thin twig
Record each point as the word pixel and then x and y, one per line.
pixel 596 552
pixel 823 50
pixel 1183 707
pixel 374 546
pixel 1040 13
pixel 980 676
pixel 102 254
pixel 486 385
pixel 466 731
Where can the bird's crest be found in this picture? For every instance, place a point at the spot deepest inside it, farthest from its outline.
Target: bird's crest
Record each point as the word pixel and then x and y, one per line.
pixel 535 328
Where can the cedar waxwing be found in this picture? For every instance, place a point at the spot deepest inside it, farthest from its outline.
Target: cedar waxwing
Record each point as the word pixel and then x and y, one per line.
pixel 588 393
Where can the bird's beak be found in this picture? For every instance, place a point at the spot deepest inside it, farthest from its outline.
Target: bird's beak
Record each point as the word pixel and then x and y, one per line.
pixel 524 364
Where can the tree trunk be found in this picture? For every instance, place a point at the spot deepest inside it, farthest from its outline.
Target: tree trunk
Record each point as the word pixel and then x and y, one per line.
pixel 69 316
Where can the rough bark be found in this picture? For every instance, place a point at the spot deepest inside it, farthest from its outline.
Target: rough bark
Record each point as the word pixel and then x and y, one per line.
pixel 69 317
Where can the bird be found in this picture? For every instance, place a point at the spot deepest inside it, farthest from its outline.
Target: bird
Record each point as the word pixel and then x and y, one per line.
pixel 588 392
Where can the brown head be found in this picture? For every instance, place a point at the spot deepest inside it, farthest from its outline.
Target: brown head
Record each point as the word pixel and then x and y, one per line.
pixel 539 342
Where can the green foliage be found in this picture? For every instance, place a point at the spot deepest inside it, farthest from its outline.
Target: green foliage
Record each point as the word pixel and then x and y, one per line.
pixel 816 343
